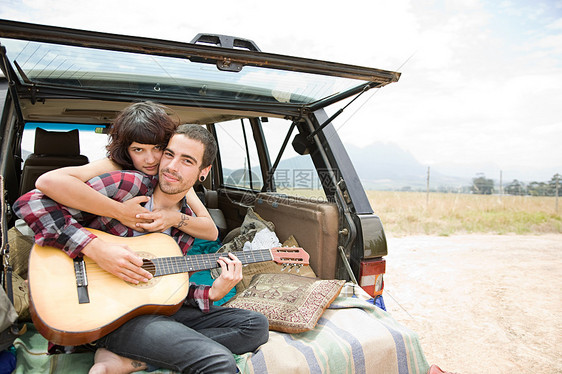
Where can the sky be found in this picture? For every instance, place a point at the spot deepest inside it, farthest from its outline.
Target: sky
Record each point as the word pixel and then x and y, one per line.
pixel 481 80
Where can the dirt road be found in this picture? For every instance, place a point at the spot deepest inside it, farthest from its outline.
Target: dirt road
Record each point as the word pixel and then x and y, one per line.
pixel 480 303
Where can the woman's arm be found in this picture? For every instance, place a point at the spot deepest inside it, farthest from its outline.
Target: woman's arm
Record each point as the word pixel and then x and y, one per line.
pixel 66 186
pixel 199 226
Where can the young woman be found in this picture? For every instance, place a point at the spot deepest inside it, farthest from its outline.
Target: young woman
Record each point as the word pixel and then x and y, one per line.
pixel 137 140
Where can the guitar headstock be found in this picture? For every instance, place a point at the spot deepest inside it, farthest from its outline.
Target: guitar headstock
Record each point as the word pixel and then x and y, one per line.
pixel 290 255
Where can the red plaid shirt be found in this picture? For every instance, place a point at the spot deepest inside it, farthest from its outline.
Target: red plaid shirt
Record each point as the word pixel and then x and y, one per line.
pixel 61 227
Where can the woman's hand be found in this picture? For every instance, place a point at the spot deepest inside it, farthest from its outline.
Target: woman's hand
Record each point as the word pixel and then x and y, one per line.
pixel 131 209
pixel 199 225
pixel 160 220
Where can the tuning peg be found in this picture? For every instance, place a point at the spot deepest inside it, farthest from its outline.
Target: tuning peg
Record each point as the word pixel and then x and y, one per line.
pixel 284 267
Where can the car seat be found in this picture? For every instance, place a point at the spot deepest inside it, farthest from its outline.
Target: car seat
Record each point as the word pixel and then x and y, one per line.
pixel 210 199
pixel 53 150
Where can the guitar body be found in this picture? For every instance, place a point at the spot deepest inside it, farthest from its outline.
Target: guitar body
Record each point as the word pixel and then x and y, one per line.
pixel 62 319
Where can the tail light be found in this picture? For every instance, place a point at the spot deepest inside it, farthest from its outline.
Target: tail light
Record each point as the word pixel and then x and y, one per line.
pixel 371 273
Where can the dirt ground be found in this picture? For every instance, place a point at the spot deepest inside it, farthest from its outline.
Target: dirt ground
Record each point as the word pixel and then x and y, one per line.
pixel 480 303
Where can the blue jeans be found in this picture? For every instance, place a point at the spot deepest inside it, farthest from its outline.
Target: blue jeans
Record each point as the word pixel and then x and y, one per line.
pixel 190 341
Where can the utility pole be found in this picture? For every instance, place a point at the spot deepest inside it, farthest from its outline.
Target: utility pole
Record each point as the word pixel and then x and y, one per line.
pixel 427 190
pixel 557 187
pixel 501 186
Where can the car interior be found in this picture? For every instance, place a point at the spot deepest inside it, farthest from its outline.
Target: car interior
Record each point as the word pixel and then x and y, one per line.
pixel 313 222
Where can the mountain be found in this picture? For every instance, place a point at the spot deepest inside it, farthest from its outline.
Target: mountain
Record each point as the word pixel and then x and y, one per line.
pixel 380 166
pixel 387 166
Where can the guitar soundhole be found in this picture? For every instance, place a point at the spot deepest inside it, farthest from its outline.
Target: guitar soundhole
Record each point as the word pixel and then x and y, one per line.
pixel 148 266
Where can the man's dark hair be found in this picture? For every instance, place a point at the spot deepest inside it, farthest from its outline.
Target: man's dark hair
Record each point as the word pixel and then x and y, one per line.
pixel 200 133
pixel 144 122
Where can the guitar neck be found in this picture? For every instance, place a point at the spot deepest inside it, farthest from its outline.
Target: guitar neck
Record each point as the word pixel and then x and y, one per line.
pixel 184 264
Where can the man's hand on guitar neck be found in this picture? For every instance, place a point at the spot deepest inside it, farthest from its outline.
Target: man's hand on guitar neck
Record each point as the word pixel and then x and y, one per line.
pixel 118 260
pixel 231 274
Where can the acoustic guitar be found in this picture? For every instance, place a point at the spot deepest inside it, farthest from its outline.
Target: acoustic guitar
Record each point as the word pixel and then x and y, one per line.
pixel 74 302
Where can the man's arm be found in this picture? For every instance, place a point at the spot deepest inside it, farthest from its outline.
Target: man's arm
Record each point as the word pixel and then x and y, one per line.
pixel 198 296
pixel 231 274
pixel 117 259
pixel 201 296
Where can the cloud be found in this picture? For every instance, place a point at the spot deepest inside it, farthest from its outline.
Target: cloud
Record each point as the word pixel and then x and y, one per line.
pixel 480 78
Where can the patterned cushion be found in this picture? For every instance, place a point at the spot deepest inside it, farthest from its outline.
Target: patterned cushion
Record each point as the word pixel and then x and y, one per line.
pixel 290 302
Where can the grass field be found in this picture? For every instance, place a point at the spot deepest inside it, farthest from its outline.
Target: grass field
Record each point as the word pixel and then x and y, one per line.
pixel 411 213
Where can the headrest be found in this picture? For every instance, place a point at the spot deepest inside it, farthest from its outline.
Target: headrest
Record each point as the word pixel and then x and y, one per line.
pixel 211 199
pixel 57 143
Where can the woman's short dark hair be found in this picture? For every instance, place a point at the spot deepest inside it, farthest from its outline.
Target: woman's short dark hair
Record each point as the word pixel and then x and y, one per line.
pixel 144 122
pixel 200 133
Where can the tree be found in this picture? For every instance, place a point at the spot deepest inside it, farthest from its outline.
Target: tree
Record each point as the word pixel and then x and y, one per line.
pixel 481 185
pixel 556 180
pixel 516 188
pixel 537 189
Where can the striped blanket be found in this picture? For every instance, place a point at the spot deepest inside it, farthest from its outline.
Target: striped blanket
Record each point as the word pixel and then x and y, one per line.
pixel 352 336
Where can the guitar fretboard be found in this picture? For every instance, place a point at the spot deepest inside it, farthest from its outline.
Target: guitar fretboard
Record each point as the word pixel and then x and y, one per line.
pixel 184 264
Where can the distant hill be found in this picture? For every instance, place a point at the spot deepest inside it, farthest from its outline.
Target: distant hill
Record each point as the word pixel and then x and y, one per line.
pixel 387 166
pixel 384 166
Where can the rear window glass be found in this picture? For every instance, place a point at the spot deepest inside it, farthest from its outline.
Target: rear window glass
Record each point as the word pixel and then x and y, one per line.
pixel 133 73
pixel 296 174
pixel 92 143
pixel 239 155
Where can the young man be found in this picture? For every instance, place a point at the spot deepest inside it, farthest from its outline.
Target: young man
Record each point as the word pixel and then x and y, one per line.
pixel 200 337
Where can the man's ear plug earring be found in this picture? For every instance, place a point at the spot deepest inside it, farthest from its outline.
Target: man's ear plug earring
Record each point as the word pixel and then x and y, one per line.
pixel 202 179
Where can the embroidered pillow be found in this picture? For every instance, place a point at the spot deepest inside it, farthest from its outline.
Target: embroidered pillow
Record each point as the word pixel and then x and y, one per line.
pixel 290 302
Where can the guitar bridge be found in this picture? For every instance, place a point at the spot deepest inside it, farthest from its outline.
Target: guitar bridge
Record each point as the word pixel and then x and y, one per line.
pixel 81 280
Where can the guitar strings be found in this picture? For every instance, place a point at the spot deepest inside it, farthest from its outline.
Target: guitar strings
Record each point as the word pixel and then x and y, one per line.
pixel 179 264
